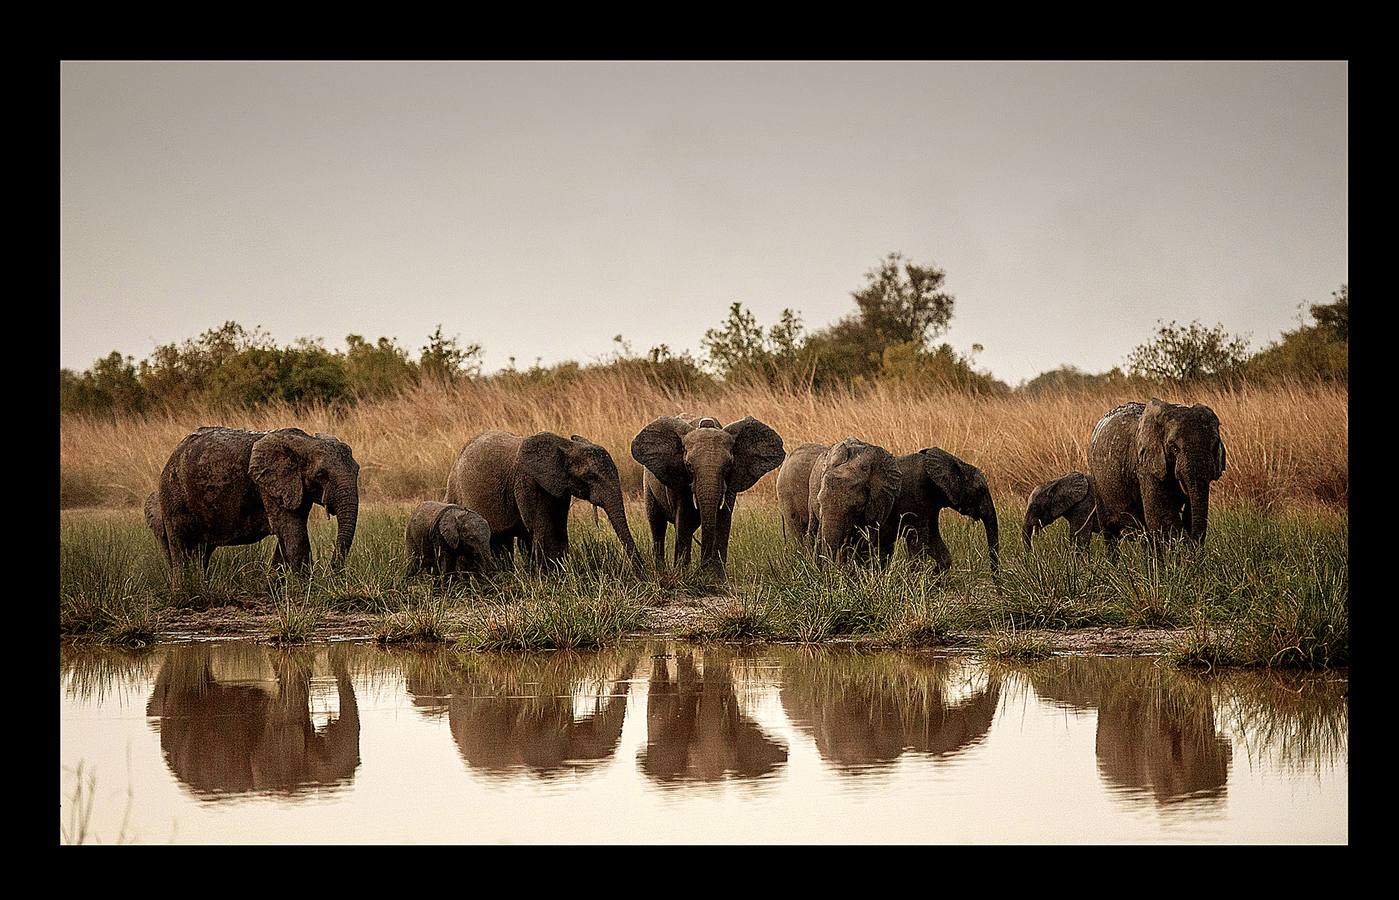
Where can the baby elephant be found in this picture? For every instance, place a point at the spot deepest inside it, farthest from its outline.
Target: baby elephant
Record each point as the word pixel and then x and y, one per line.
pixel 444 538
pixel 1072 497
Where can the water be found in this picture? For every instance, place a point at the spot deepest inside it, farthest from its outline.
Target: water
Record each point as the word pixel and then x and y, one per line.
pixel 664 742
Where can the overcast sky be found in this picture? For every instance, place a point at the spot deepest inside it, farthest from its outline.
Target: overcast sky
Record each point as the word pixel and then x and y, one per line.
pixel 541 208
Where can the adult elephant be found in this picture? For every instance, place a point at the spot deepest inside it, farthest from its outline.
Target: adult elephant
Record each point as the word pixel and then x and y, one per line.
pixel 225 487
pixel 794 488
pixel 694 470
pixel 522 487
pixel 931 480
pixel 850 494
pixel 1152 465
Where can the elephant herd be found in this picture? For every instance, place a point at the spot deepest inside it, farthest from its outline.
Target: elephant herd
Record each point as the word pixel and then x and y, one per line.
pixel 1150 469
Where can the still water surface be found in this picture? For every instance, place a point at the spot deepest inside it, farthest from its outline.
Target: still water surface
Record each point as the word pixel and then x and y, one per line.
pixel 664 742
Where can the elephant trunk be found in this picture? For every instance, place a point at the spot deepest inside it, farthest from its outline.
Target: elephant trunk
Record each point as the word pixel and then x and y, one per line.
pixel 987 514
pixel 709 494
pixel 611 503
pixel 1027 533
pixel 346 517
pixel 1199 497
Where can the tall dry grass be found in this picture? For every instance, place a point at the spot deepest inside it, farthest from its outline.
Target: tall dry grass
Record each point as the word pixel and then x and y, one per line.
pixel 1287 443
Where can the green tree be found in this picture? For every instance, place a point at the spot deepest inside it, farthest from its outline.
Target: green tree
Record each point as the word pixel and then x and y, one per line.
pixel 1320 351
pixel 445 360
pixel 378 369
pixel 1189 353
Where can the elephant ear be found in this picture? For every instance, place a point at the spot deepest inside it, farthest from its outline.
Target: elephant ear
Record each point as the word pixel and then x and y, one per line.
pixel 275 468
pixel 946 471
pixel 884 484
pixel 1151 440
pixel 1054 499
pixel 840 453
pixel 757 451
pixel 544 458
pixel 659 448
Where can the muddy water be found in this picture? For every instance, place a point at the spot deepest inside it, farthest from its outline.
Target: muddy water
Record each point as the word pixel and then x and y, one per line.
pixel 663 742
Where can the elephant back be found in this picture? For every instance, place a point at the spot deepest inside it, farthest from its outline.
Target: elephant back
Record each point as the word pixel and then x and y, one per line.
pixel 483 477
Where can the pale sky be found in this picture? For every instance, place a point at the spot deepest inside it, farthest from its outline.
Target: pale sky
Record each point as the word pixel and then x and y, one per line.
pixel 541 208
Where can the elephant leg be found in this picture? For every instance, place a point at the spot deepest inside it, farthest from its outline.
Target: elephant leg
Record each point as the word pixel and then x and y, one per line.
pixel 656 518
pixel 937 548
pixel 685 529
pixel 721 540
pixel 415 567
pixel 548 534
pixel 1111 536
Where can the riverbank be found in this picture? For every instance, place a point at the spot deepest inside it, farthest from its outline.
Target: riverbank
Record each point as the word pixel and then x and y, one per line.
pixel 1264 590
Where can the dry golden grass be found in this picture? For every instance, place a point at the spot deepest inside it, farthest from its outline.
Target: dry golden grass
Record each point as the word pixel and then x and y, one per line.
pixel 1287 442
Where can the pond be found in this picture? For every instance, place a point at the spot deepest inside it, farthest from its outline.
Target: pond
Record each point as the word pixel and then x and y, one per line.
pixel 666 742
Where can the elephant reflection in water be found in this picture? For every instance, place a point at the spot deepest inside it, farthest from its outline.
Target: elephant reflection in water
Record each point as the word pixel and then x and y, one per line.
pixel 695 730
pixel 237 719
pixel 513 713
pixel 1156 731
pixel 866 710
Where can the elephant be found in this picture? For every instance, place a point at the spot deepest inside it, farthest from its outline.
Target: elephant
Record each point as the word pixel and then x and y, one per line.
pixel 693 472
pixel 237 719
pixel 850 494
pixel 932 479
pixel 1152 465
pixel 443 538
pixel 793 487
pixel 1071 497
pixel 225 487
pixel 522 487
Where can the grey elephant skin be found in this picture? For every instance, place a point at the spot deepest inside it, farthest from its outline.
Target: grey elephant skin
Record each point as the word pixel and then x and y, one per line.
pixel 522 487
pixel 1071 497
pixel 225 487
pixel 694 471
pixel 849 492
pixel 446 539
pixel 932 480
pixel 1152 465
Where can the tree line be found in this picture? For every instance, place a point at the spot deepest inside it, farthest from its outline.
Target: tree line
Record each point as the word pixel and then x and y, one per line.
pixel 890 337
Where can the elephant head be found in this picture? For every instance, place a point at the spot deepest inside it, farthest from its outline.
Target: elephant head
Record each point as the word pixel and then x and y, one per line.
pixel 858 484
pixel 293 469
pixel 468 536
pixel 705 465
pixel 1181 445
pixel 576 467
pixel 963 486
pixel 1068 497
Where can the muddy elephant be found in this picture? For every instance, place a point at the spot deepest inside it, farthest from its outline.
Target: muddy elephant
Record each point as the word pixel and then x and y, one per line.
pixel 694 470
pixel 225 487
pixel 850 493
pixel 931 480
pixel 522 487
pixel 237 719
pixel 444 539
pixel 1152 465
pixel 1072 498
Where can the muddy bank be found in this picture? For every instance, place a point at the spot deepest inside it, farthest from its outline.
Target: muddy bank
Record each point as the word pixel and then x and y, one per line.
pixel 679 620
